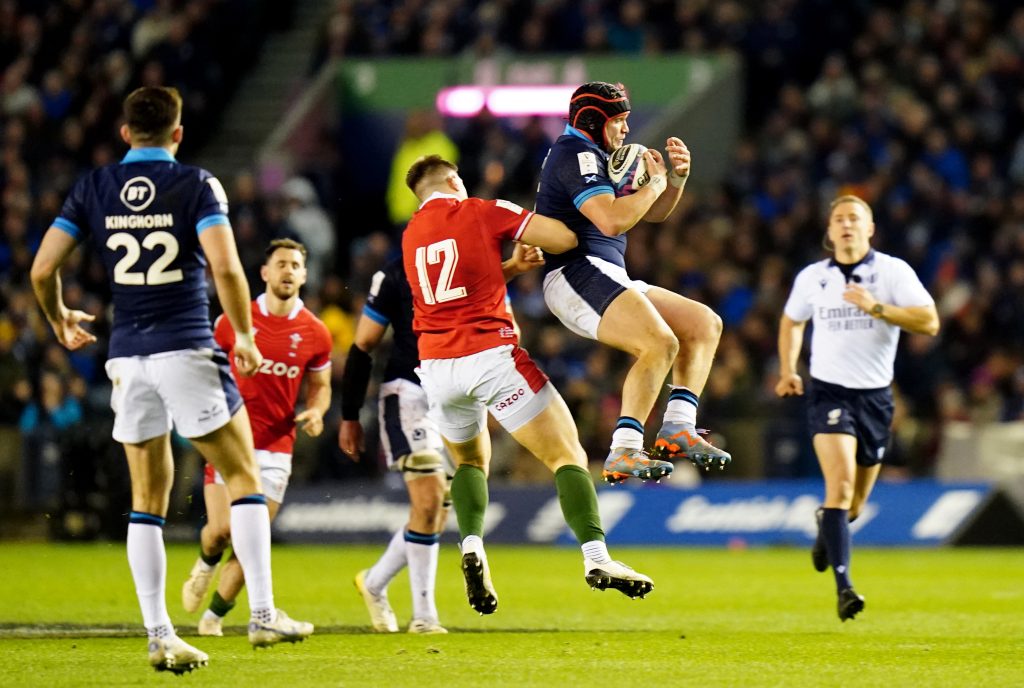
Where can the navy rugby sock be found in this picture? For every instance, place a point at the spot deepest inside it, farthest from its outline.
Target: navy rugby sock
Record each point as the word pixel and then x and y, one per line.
pixel 835 528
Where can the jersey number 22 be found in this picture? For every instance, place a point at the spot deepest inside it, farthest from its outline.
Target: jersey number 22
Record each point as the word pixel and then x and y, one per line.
pixel 157 272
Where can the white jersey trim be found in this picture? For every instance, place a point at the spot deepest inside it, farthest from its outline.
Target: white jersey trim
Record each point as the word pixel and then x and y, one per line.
pixel 261 301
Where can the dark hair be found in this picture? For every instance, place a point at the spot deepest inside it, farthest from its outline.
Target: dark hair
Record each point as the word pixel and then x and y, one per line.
pixel 593 104
pixel 152 112
pixel 284 243
pixel 424 167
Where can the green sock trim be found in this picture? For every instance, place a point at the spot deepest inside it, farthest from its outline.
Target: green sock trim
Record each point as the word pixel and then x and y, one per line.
pixel 210 559
pixel 578 499
pixel 220 606
pixel 469 497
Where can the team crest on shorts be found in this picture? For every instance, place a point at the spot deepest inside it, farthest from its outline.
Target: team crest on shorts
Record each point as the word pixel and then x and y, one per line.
pixel 834 415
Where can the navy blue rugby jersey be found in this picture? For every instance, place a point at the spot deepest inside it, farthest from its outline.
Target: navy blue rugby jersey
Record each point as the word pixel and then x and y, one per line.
pixel 144 216
pixel 577 169
pixel 390 303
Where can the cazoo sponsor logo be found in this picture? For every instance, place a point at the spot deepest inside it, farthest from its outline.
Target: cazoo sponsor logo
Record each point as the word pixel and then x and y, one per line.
pixel 505 403
pixel 280 369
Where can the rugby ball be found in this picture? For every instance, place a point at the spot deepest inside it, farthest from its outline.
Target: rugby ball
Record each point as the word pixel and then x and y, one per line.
pixel 627 169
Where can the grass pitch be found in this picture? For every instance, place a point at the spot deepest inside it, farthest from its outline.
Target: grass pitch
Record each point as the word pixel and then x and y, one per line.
pixel 762 617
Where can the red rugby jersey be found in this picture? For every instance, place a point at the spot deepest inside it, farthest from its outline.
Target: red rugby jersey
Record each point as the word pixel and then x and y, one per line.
pixel 451 252
pixel 290 345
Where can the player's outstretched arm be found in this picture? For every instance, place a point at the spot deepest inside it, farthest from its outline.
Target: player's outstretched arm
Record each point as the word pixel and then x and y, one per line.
pixel 318 400
pixel 549 234
pixel 55 248
pixel 614 216
pixel 354 381
pixel 791 339
pixel 233 291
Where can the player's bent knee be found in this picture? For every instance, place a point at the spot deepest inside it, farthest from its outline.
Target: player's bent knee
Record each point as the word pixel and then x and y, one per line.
pixel 421 463
pixel 658 342
pixel 221 537
pixel 708 324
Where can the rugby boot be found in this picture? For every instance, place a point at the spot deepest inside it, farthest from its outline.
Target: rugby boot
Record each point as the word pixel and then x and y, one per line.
pixel 175 655
pixel 427 627
pixel 283 629
pixel 195 587
pixel 617 576
pixel 623 464
pixel 684 441
pixel 210 626
pixel 850 604
pixel 382 617
pixel 479 588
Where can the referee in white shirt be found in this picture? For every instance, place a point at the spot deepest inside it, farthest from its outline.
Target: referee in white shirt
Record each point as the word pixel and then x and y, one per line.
pixel 859 301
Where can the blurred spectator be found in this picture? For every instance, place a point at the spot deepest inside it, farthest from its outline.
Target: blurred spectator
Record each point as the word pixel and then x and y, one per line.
pixel 47 426
pixel 305 218
pixel 422 136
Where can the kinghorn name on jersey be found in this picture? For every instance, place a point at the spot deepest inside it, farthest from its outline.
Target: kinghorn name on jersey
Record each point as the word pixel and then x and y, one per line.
pixel 139 221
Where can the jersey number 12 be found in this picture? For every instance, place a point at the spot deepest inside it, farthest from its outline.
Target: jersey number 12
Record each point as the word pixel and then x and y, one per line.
pixel 448 252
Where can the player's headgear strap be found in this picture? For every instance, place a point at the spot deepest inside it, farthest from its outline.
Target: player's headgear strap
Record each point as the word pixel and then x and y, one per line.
pixel 593 104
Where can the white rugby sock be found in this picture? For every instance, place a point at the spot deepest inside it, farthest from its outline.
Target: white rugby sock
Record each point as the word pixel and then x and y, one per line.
pixel 250 538
pixel 422 574
pixel 596 551
pixel 682 406
pixel 389 565
pixel 627 438
pixel 473 543
pixel 148 562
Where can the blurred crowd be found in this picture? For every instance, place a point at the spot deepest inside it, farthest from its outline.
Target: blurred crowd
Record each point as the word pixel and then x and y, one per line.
pixel 920 111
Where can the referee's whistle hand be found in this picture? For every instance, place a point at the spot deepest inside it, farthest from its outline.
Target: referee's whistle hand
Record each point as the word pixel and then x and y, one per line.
pixel 790 385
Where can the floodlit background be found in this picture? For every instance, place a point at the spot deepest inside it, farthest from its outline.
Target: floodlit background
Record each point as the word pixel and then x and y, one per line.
pixel 310 111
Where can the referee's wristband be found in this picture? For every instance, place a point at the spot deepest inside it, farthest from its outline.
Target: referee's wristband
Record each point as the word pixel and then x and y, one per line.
pixel 246 339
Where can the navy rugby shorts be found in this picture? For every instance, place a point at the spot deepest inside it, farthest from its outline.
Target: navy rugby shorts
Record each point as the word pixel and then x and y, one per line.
pixel 864 413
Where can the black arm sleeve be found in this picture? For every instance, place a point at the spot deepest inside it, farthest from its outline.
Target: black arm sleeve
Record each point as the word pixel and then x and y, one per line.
pixel 354 382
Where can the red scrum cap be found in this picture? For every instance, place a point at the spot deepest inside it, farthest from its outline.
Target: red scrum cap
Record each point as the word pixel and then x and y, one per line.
pixel 593 104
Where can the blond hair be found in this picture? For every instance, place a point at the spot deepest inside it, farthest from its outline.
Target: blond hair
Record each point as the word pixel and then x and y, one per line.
pixel 850 198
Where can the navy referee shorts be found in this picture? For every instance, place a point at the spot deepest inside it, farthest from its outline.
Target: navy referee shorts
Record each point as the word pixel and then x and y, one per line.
pixel 864 413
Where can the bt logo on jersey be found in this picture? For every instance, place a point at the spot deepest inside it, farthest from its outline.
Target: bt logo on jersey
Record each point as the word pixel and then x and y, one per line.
pixel 280 369
pixel 505 403
pixel 137 193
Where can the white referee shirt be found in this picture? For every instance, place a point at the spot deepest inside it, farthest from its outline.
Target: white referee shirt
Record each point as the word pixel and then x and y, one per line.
pixel 848 346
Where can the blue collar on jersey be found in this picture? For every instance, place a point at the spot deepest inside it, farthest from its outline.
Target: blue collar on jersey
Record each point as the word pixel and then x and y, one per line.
pixel 573 131
pixel 148 155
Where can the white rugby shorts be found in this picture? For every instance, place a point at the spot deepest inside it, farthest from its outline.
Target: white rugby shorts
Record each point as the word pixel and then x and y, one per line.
pixel 191 389
pixel 502 380
pixel 405 427
pixel 579 293
pixel 275 471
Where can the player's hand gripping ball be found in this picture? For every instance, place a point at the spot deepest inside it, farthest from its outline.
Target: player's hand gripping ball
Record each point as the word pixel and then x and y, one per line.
pixel 627 169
